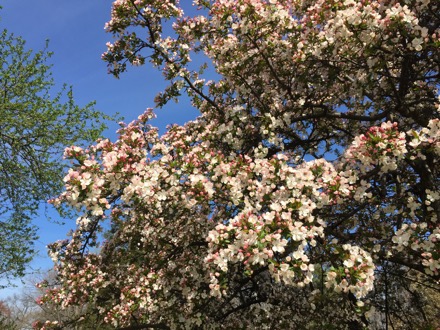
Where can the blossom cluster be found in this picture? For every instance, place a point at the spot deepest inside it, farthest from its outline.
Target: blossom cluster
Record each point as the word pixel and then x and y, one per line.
pixel 381 146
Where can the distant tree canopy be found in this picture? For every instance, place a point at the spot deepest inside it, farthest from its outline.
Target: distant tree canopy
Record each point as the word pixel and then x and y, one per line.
pixel 35 127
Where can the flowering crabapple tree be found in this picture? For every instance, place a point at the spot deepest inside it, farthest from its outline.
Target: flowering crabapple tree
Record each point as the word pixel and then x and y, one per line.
pixel 304 195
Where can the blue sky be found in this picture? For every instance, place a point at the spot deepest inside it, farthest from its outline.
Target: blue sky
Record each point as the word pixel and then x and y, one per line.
pixel 75 30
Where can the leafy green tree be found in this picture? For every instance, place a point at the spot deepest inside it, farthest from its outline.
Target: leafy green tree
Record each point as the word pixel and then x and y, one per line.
pixel 35 127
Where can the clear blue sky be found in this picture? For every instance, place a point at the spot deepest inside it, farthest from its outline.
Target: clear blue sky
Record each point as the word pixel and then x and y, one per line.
pixel 75 30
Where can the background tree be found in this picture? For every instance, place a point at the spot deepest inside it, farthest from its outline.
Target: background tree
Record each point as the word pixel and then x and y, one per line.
pixel 6 322
pixel 22 309
pixel 303 196
pixel 35 127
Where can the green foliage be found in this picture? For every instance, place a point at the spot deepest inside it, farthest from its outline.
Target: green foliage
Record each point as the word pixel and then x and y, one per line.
pixel 35 127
